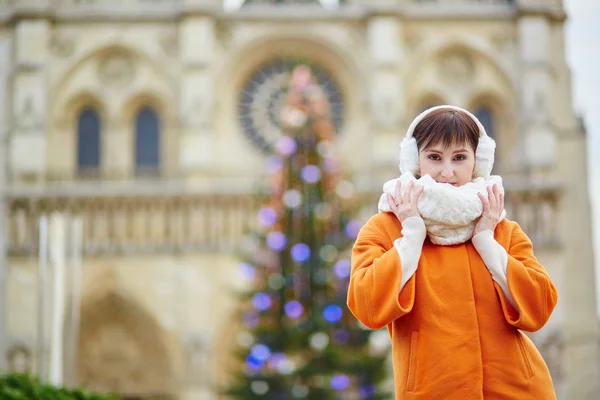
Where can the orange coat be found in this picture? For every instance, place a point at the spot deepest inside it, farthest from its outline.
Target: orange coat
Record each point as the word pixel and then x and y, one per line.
pixel 454 335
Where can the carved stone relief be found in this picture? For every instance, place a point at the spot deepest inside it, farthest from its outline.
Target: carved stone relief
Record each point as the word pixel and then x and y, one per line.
pixel 19 359
pixel 113 355
pixel 62 45
pixel 168 42
pixel 456 68
pixel 116 69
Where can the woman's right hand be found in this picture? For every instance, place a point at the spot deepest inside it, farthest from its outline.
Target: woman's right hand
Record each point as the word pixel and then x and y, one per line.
pixel 405 206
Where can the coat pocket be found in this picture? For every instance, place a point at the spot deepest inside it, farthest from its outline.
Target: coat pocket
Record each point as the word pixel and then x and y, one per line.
pixel 525 355
pixel 412 362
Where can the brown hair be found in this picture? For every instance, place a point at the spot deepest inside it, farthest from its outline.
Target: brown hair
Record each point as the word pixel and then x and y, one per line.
pixel 446 126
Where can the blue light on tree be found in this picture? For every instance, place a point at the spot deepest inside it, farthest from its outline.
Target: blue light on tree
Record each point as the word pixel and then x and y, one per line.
pixel 332 313
pixel 260 352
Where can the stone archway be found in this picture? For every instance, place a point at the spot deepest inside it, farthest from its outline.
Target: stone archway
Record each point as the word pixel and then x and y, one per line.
pixel 122 350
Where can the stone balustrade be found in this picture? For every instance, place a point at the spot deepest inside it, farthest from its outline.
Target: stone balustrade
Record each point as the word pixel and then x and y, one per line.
pixel 121 220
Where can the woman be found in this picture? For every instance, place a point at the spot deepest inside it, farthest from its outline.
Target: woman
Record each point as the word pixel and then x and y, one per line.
pixel 453 280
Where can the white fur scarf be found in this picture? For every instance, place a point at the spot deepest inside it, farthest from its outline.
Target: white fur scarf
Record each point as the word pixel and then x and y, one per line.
pixel 450 213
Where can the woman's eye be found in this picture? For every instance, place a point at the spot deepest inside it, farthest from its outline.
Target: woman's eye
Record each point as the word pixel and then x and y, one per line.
pixel 434 157
pixel 461 157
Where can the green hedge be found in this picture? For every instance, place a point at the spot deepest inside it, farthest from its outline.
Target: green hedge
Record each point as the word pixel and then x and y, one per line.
pixel 26 387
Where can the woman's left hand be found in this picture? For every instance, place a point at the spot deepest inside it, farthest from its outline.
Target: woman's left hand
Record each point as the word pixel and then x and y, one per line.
pixel 493 206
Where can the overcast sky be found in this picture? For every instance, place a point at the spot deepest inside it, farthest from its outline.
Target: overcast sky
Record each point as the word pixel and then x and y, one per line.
pixel 583 55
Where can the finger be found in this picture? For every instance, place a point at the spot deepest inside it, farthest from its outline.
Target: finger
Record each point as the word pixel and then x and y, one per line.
pixel 496 190
pixel 417 195
pixel 491 197
pixel 501 201
pixel 408 192
pixel 391 202
pixel 484 202
pixel 398 190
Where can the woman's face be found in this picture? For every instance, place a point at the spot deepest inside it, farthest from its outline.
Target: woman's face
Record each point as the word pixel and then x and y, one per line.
pixel 453 164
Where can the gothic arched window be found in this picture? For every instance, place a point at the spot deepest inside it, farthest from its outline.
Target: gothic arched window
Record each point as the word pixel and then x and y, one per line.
pixel 262 97
pixel 147 141
pixel 486 117
pixel 88 140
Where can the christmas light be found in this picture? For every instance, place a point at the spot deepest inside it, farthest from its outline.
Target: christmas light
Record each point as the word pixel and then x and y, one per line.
pixel 276 241
pixel 286 146
pixel 332 313
pixel 267 216
pixel 366 391
pixel 293 309
pixel 345 189
pixel 276 281
pixel 300 252
pixel 253 363
pixel 310 174
pixel 259 387
pixel 319 341
pixel 261 301
pixel 251 319
pixel 292 198
pixel 352 229
pixel 341 269
pixel 260 352
pixel 341 336
pixel 247 271
pixel 274 164
pixel 328 253
pixel 300 391
pixel 340 382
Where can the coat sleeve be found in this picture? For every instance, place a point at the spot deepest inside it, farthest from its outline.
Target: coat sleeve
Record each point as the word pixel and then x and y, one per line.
pixel 374 295
pixel 532 289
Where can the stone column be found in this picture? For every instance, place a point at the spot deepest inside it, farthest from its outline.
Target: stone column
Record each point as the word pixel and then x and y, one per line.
pixel 197 52
pixel 29 97
pixel 386 50
pixel 537 144
pixel 581 357
pixel 5 70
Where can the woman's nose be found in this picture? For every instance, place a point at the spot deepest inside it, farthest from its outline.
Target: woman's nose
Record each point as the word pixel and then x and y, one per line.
pixel 447 171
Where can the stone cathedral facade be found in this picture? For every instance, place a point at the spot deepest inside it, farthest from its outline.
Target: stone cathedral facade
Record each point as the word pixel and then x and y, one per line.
pixel 152 120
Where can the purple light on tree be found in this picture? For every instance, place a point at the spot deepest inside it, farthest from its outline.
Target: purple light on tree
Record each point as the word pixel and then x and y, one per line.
pixel 300 252
pixel 276 360
pixel 247 271
pixel 276 241
pixel 352 229
pixel 293 309
pixel 366 391
pixel 311 174
pixel 261 301
pixel 251 319
pixel 341 269
pixel 286 146
pixel 267 216
pixel 340 382
pixel 330 165
pixel 274 164
pixel 341 336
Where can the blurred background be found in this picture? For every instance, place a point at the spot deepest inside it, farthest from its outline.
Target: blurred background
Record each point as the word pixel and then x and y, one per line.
pixel 136 147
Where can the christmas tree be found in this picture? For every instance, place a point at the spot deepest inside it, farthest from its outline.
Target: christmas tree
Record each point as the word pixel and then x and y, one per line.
pixel 299 338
